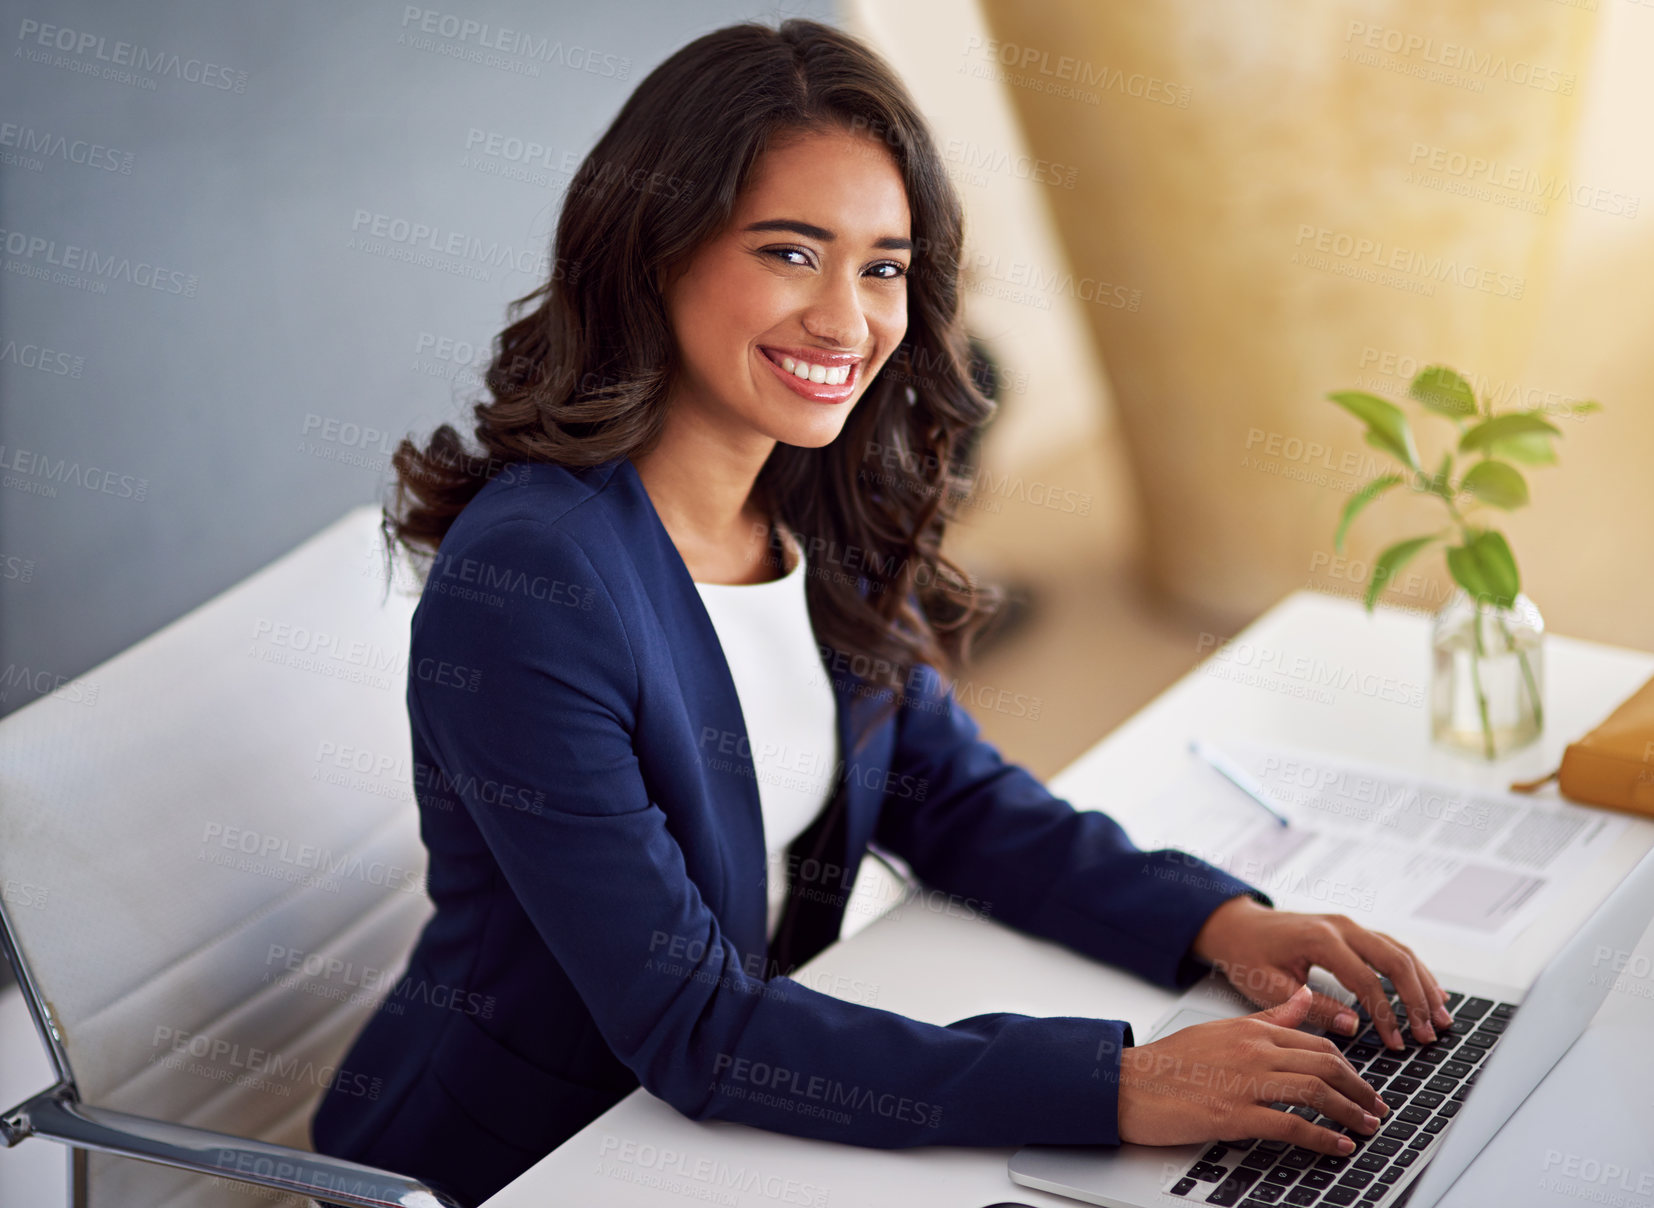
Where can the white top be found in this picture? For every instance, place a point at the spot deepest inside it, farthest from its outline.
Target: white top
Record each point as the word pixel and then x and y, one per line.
pixel 787 702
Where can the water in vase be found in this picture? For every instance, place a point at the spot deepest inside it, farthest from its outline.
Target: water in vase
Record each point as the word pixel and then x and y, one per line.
pixel 1487 698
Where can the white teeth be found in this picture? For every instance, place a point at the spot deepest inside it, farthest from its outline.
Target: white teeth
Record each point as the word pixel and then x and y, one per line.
pixel 816 373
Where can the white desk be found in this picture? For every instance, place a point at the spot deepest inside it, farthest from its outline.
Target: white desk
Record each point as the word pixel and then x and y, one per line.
pixel 939 968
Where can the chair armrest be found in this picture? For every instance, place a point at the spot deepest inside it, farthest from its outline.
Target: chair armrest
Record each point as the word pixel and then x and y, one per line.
pixel 56 1115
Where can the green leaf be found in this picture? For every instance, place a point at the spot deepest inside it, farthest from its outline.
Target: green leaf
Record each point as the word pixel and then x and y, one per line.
pixel 1485 567
pixel 1387 428
pixel 1391 561
pixel 1531 449
pixel 1496 483
pixel 1503 427
pixel 1442 483
pixel 1443 391
pixel 1381 442
pixel 1359 500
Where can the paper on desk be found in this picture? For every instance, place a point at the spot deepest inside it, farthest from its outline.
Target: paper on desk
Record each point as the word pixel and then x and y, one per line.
pixel 1386 848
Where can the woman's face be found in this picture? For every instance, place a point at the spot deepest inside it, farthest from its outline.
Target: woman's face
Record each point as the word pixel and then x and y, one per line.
pixel 783 319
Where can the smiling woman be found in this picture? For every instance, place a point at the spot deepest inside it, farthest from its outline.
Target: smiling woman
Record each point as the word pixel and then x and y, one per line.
pixel 780 320
pixel 729 435
pixel 810 213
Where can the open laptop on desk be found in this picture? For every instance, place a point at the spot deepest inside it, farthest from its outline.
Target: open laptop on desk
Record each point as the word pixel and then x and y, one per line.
pixel 1447 1099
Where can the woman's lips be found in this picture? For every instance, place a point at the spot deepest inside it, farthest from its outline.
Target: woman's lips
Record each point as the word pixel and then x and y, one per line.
pixel 819 392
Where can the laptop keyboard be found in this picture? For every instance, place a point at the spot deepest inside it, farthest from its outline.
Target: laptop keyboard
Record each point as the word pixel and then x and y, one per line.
pixel 1424 1085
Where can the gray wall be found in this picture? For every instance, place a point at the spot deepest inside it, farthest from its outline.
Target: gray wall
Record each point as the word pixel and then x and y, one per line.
pixel 213 329
pixel 232 373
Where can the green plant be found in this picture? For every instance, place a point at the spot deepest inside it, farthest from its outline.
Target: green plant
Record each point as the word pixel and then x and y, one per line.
pixel 1478 556
pixel 1480 561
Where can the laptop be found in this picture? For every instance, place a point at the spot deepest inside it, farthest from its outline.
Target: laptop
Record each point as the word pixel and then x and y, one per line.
pixel 1447 1099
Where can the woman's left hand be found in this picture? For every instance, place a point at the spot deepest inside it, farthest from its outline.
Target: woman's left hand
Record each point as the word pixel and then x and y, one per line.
pixel 1266 954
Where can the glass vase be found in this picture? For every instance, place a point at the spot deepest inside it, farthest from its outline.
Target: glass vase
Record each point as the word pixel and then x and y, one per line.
pixel 1487 688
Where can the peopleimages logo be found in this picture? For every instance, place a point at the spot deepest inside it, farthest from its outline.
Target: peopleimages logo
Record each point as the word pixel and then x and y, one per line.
pixel 781 1087
pixel 430 245
pixel 368 982
pixel 264 846
pixel 40 145
pixel 1064 75
pixel 1310 675
pixel 301 639
pixel 1450 58
pixel 1318 246
pixel 38 252
pixel 42 359
pixel 500 46
pixel 699 1177
pixel 76 690
pixel 143 60
pixel 878 778
pixel 253 1067
pixel 1610 1177
pixel 38 474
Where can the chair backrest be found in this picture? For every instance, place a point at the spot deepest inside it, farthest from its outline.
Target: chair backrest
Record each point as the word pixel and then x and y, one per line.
pixel 210 852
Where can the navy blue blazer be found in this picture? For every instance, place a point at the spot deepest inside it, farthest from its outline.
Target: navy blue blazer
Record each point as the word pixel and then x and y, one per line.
pixel 597 864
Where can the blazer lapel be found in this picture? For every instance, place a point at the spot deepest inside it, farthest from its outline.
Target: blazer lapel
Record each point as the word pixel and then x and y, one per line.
pixel 842 830
pixel 709 695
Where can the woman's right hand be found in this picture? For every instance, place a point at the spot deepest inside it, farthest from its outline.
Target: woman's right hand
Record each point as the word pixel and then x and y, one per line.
pixel 1215 1082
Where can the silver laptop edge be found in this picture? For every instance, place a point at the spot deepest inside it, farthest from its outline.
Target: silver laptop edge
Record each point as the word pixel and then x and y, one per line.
pixel 1555 1010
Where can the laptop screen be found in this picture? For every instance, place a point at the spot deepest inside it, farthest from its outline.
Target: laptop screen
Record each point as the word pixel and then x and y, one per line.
pixel 1561 1002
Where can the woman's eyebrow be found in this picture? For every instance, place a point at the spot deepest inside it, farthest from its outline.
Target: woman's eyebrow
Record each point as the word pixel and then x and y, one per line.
pixel 811 231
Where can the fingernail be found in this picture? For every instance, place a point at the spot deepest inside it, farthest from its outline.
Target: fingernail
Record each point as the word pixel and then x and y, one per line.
pixel 1346 1022
pixel 1383 1108
pixel 1345 1145
pixel 1442 1018
pixel 1369 1122
pixel 1429 1033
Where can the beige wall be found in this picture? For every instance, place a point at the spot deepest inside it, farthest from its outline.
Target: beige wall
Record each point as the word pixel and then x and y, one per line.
pixel 1189 217
pixel 1054 388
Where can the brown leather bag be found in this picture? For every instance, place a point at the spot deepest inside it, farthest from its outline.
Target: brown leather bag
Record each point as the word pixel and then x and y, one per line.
pixel 1613 765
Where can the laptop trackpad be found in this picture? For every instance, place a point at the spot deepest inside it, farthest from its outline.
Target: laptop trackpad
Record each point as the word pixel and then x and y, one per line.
pixel 1183 1019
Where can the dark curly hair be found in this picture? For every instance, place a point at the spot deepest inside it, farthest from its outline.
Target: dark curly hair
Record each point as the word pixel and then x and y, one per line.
pixel 583 377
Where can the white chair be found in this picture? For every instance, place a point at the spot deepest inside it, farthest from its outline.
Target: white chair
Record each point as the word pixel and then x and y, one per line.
pixel 212 873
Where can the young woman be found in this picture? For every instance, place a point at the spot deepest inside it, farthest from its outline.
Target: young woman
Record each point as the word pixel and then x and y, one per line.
pixel 679 659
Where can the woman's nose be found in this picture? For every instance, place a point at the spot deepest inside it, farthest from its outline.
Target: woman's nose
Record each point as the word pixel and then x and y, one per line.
pixel 835 316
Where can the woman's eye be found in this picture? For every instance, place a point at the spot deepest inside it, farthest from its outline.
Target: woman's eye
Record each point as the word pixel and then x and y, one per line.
pixel 884 270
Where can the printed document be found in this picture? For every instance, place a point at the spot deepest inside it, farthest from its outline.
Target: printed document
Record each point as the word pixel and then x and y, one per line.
pixel 1380 845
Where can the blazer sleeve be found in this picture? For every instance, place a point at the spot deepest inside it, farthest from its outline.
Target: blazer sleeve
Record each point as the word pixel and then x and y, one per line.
pixel 603 879
pixel 987 830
